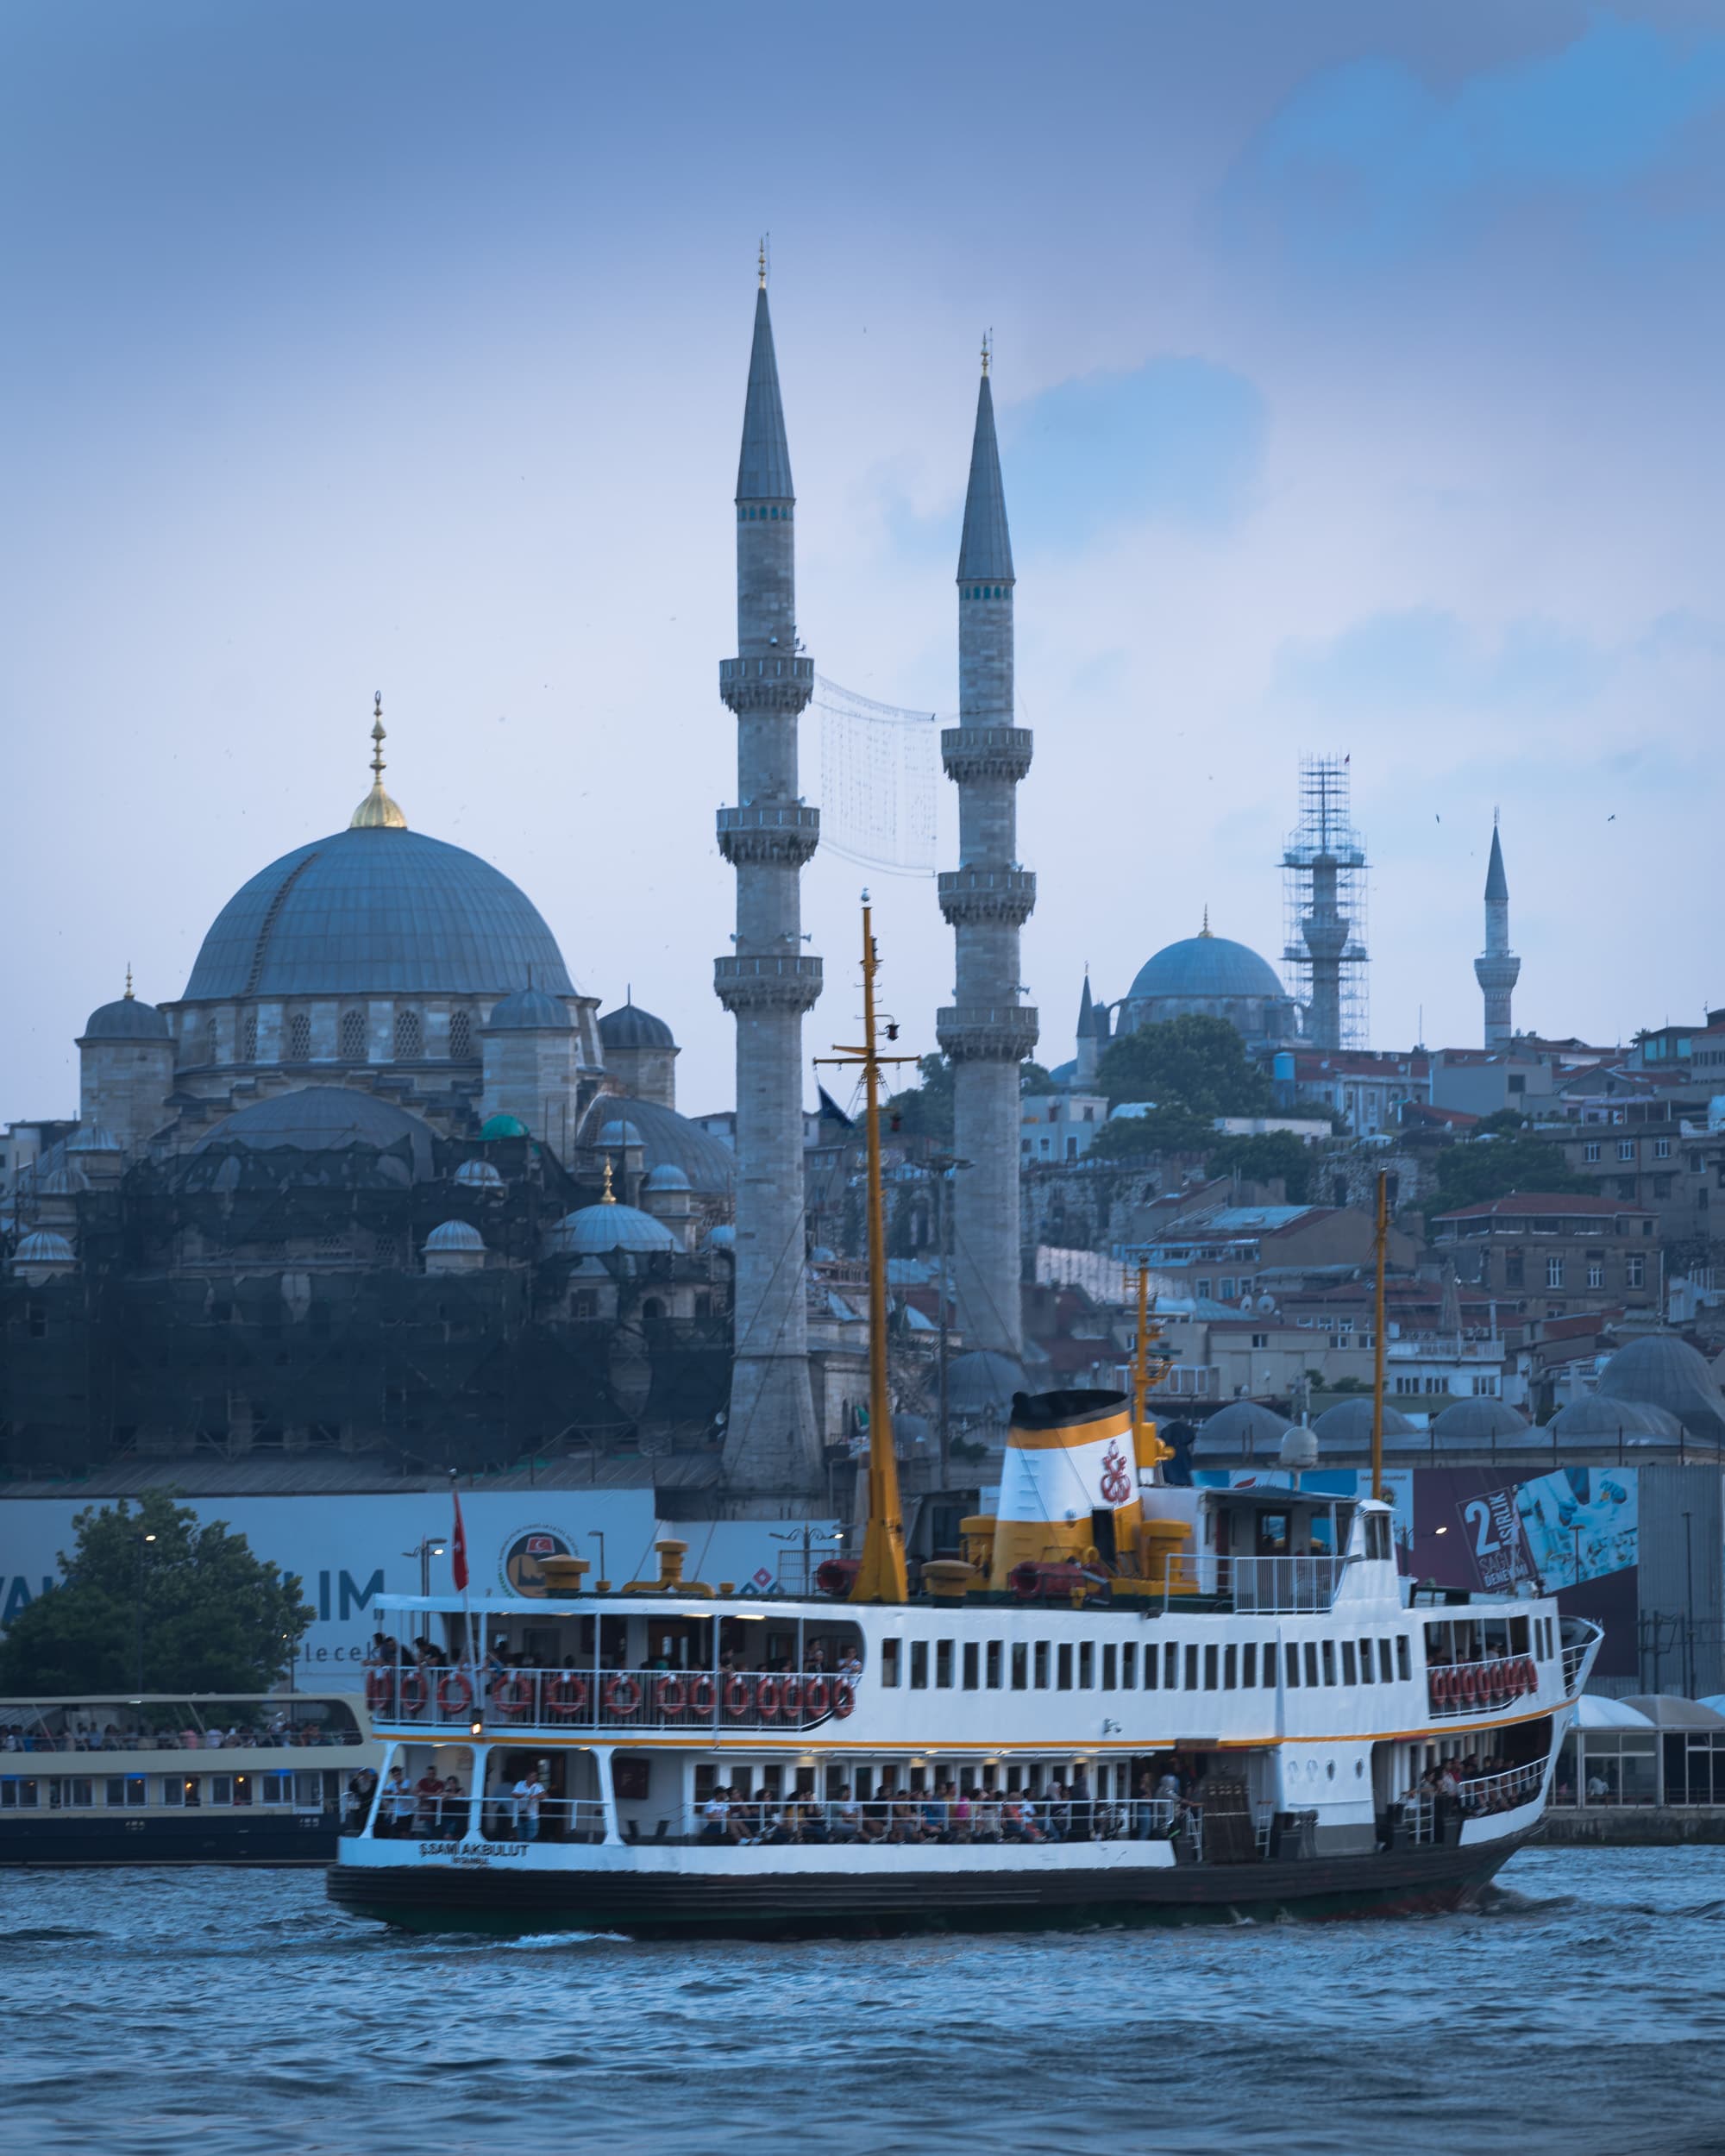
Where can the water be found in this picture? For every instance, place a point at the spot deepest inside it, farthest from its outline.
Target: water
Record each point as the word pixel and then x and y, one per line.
pixel 227 2012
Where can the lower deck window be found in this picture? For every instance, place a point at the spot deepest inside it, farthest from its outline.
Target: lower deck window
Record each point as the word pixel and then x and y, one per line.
pixel 1292 1662
pixel 1249 1664
pixel 1129 1666
pixel 1042 1665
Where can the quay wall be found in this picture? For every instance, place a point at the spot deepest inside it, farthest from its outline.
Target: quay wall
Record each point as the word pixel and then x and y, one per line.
pixel 1634 1826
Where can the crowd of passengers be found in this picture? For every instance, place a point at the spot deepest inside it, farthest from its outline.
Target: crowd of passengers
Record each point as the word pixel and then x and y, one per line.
pixel 820 1658
pixel 281 1729
pixel 1476 1787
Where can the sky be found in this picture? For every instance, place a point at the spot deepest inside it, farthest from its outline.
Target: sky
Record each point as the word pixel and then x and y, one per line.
pixel 1356 368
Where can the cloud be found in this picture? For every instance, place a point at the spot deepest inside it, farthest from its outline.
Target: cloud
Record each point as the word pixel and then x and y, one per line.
pixel 1423 659
pixel 1366 165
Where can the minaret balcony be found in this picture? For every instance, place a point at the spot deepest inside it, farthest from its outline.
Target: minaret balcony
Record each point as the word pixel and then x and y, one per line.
pixel 977 1033
pixel 781 834
pixel 772 684
pixel 767 984
pixel 992 895
pixel 986 752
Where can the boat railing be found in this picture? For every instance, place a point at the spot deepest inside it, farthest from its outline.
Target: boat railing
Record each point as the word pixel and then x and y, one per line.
pixel 96 1743
pixel 502 1818
pixel 908 1816
pixel 1261 1586
pixel 1481 1685
pixel 1503 1791
pixel 1573 1660
pixel 514 1701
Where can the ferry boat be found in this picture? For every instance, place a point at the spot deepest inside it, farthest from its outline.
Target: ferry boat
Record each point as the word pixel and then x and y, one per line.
pixel 1125 1702
pixel 181 1779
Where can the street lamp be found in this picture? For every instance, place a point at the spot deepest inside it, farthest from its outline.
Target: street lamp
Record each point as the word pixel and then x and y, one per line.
pixel 138 1615
pixel 432 1546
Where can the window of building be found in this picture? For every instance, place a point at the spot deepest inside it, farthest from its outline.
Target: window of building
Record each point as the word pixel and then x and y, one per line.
pixel 991 1666
pixel 1635 1275
pixel 1554 1272
pixel 1329 1655
pixel 1041 1660
pixel 1404 1667
pixel 1626 1187
pixel 942 1665
pixel 1260 1339
pixel 584 1303
pixel 1311 1662
pixel 1350 1675
pixel 1062 1664
pixel 409 1037
pixel 1170 1668
pixel 1228 1288
pixel 1292 1662
pixel 1366 1667
pixel 1661 1148
pixel 1021 1666
pixel 299 1037
pixel 248 1038
pixel 1087 1665
pixel 1249 1664
pixel 1129 1666
pixel 353 1036
pixel 1204 1288
pixel 1192 1669
pixel 1590 1151
pixel 918 1665
pixel 1230 1668
pixel 889 1662
pixel 1210 1659
pixel 1110 1668
pixel 460 1035
pixel 1595 1272
pixel 1514 1268
pixel 1626 1149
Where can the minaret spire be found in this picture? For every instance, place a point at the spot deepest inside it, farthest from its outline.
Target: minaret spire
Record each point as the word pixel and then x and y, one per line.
pixel 986 1032
pixel 767 982
pixel 1497 969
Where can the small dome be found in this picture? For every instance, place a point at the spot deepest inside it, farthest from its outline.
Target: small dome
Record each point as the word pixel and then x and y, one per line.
pixel 530 1010
pixel 723 1237
pixel 126 1020
pixel 1596 1416
pixel 323 1120
pixel 478 1174
pixel 1477 1422
pixel 666 1178
pixel 502 1126
pixel 454 1235
pixel 629 1026
pixel 593 1230
pixel 61 1182
pixel 666 1139
pixel 1660 1371
pixel 1246 1427
pixel 1205 966
pixel 618 1133
pixel 43 1247
pixel 1349 1423
pixel 91 1138
pixel 982 1383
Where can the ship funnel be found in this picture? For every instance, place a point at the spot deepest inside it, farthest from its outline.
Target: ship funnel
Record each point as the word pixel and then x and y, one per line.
pixel 1068 1483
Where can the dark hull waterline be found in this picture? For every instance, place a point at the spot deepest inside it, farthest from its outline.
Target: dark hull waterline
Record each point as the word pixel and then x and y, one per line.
pixel 184 1838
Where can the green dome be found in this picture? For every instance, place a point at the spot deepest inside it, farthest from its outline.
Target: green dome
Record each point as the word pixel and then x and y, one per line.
pixel 502 1126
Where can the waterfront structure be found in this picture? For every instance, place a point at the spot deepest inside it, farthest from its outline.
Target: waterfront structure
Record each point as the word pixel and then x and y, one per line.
pixel 987 1031
pixel 766 982
pixel 1497 969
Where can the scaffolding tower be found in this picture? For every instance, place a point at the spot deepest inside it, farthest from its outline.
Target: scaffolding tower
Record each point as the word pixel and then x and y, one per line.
pixel 1324 908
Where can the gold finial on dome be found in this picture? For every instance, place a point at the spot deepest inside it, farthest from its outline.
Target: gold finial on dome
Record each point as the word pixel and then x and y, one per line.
pixel 376 812
pixel 607 1196
pixel 130 997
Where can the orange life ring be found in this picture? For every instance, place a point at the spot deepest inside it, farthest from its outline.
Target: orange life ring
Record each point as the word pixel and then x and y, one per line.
pixel 511 1695
pixel 413 1691
pixel 794 1699
pixel 622 1696
pixel 737 1699
pixel 700 1696
pixel 844 1699
pixel 670 1695
pixel 816 1698
pixel 454 1694
pixel 1470 1683
pixel 767 1698
pixel 379 1686
pixel 566 1697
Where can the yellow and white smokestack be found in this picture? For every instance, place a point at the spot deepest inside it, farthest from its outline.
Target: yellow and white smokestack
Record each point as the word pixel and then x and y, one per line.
pixel 1069 1455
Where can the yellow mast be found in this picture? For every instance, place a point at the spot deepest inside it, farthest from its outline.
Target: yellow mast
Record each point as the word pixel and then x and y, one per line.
pixel 1381 1247
pixel 882 1578
pixel 1139 1384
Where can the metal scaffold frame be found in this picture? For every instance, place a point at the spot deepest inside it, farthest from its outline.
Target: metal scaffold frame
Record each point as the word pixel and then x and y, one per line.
pixel 1322 845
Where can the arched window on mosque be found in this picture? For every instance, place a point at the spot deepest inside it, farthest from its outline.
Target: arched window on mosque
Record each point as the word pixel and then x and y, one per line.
pixel 652 1307
pixel 409 1040
pixel 248 1038
pixel 353 1036
pixel 460 1035
pixel 298 1038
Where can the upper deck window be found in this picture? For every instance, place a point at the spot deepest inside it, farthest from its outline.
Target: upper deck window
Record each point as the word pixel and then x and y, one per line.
pixel 919 1665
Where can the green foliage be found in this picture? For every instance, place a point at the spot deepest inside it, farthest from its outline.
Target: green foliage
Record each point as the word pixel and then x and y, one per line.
pixel 1033 1079
pixel 1192 1063
pixel 924 1110
pixel 214 1618
pixel 1262 1158
pixel 1140 1137
pixel 1505 1123
pixel 1476 1170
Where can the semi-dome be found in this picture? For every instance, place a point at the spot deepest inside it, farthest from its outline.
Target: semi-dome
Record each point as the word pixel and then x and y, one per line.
pixel 1613 1421
pixel 666 1139
pixel 323 1120
pixel 594 1230
pixel 1661 1370
pixel 454 1235
pixel 668 1177
pixel 1205 966
pixel 43 1247
pixel 377 910
pixel 478 1174
pixel 629 1026
pixel 126 1020
pixel 530 1010
pixel 619 1132
pixel 982 1383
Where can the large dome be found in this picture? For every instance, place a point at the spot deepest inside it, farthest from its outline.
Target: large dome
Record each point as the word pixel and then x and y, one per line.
pixel 377 911
pixel 1205 966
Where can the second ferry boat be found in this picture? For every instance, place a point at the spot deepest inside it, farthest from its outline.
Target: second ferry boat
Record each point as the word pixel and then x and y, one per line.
pixel 1125 1702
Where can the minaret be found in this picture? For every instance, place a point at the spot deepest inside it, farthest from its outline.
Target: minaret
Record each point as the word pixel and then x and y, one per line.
pixel 1089 1050
pixel 1497 969
pixel 767 982
pixel 988 898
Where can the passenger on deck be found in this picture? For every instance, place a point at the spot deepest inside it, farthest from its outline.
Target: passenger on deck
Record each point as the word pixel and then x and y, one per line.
pixel 396 1813
pixel 850 1664
pixel 530 1794
pixel 846 1820
pixel 452 1805
pixel 428 1796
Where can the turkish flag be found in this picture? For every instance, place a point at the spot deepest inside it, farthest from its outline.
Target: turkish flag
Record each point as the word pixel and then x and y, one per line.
pixel 458 1548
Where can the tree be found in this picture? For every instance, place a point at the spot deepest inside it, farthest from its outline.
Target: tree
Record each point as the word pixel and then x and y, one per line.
pixel 1478 1170
pixel 1033 1079
pixel 206 1615
pixel 1140 1137
pixel 924 1110
pixel 1192 1063
pixel 1262 1158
